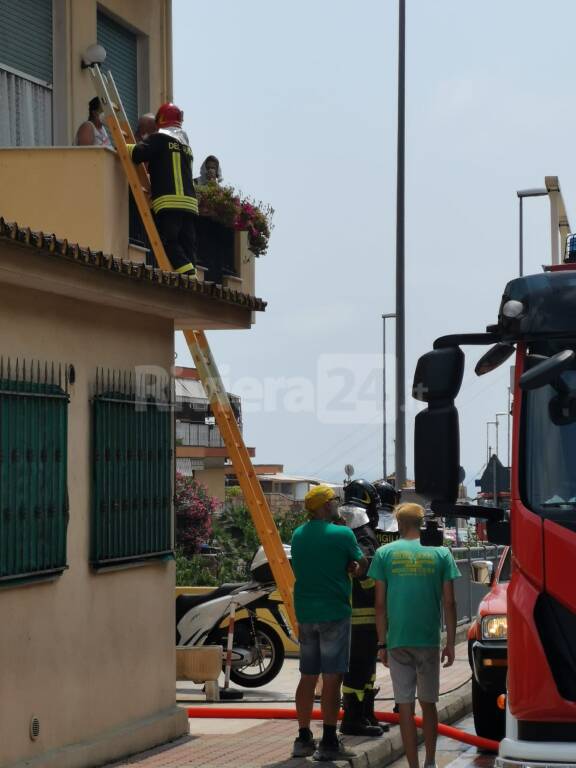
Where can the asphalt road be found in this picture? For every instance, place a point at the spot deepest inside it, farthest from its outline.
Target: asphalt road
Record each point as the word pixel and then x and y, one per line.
pixel 452 754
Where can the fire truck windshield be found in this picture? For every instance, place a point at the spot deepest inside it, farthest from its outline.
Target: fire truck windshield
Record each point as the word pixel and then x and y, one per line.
pixel 549 446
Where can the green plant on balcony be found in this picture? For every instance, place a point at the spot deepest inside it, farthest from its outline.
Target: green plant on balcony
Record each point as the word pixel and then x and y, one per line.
pixel 229 208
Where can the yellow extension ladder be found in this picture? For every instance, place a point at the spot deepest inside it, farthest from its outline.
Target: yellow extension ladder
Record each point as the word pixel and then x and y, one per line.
pixel 137 176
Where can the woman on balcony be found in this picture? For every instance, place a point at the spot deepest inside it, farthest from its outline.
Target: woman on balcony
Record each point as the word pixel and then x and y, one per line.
pixel 210 172
pixel 92 133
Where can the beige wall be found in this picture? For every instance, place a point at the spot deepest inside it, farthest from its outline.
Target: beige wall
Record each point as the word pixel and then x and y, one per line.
pixel 73 85
pixel 214 480
pixel 87 652
pixel 79 193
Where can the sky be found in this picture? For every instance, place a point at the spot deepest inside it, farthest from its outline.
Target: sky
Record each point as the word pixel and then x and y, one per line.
pixel 298 100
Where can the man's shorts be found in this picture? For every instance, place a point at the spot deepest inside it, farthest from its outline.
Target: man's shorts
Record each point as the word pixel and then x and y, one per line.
pixel 415 668
pixel 325 647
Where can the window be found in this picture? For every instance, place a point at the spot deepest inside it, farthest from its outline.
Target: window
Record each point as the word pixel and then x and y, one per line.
pixel 132 471
pixel 25 73
pixel 548 445
pixel 200 435
pixel 122 60
pixel 33 470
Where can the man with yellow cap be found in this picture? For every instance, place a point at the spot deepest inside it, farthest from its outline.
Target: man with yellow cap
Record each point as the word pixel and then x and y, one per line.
pixel 323 557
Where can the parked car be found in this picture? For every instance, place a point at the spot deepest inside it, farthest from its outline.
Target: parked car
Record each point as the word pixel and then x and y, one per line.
pixel 488 646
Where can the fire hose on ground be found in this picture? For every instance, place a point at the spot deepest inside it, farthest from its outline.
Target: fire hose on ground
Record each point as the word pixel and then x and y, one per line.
pixel 267 713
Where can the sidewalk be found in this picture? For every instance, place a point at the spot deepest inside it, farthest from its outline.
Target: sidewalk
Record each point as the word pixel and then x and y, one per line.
pixel 216 743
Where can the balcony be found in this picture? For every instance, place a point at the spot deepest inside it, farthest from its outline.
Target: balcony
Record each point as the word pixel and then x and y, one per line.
pixel 198 435
pixel 81 194
pixel 200 446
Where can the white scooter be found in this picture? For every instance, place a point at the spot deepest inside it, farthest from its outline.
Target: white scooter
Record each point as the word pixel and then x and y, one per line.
pixel 258 650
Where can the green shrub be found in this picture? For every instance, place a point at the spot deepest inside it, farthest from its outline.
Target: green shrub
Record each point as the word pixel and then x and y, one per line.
pixel 193 571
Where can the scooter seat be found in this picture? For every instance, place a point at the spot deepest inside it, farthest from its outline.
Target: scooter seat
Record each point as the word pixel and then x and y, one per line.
pixel 184 603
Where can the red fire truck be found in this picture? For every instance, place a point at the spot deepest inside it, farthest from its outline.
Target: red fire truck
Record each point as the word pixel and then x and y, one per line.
pixel 536 324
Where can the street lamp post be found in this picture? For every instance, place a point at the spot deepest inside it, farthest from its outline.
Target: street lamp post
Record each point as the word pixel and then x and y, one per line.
pixel 522 193
pixel 400 450
pixel 488 450
pixel 384 318
pixel 502 413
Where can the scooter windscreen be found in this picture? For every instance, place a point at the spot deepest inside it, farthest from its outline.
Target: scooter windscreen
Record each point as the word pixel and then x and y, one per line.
pixel 260 567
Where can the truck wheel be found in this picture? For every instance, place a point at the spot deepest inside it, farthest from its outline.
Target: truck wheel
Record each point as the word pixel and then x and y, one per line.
pixel 489 720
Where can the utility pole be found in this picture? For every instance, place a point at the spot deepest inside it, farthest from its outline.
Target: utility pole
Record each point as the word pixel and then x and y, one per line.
pixel 400 452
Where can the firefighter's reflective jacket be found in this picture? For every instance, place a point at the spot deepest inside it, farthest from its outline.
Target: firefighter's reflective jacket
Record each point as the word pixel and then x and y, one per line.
pixel 363 589
pixel 169 159
pixel 387 530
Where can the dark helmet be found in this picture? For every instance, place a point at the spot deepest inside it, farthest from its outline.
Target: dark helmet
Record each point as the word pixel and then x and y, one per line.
pixel 363 493
pixel 388 495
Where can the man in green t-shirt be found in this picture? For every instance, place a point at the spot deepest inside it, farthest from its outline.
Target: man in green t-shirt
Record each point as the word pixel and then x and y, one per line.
pixel 324 556
pixel 412 583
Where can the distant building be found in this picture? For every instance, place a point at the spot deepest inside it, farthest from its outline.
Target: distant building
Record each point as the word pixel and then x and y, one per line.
pixel 282 490
pixel 200 449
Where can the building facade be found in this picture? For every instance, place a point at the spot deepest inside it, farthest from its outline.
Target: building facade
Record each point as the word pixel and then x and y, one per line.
pixel 86 399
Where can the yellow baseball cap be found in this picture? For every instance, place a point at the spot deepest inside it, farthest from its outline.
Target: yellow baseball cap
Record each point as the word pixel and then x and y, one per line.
pixel 318 496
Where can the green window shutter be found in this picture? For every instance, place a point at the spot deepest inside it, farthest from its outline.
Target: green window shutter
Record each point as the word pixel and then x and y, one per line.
pixel 122 60
pixel 26 37
pixel 132 474
pixel 33 471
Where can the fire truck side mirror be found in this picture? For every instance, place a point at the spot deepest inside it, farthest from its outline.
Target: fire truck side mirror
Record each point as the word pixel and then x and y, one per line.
pixel 437 453
pixel 438 375
pixel 437 381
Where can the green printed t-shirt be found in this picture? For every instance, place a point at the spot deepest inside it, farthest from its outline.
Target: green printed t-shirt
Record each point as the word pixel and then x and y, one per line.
pixel 321 553
pixel 414 577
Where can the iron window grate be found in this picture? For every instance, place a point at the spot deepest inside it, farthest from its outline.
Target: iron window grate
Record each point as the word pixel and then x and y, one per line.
pixel 132 469
pixel 34 509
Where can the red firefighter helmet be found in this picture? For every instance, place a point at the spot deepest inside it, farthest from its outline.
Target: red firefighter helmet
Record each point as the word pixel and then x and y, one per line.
pixel 169 116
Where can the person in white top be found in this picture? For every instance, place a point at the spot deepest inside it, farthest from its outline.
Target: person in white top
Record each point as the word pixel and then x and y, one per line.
pixel 92 133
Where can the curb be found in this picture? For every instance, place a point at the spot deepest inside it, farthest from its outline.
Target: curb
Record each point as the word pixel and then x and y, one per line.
pixel 381 752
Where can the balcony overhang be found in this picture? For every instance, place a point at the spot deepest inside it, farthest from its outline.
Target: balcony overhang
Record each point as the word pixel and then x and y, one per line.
pixel 81 193
pixel 35 261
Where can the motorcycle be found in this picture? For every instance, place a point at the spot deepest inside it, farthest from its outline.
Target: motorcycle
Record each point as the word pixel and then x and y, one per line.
pixel 258 651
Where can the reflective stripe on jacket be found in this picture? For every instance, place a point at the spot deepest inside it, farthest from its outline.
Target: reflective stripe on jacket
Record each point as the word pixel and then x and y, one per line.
pixel 170 168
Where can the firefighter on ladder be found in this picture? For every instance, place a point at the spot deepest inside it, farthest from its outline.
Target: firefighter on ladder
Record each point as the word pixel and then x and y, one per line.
pixel 174 202
pixel 360 513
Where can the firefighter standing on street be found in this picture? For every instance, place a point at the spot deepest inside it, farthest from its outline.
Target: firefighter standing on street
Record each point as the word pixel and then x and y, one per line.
pixel 360 513
pixel 387 526
pixel 174 202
